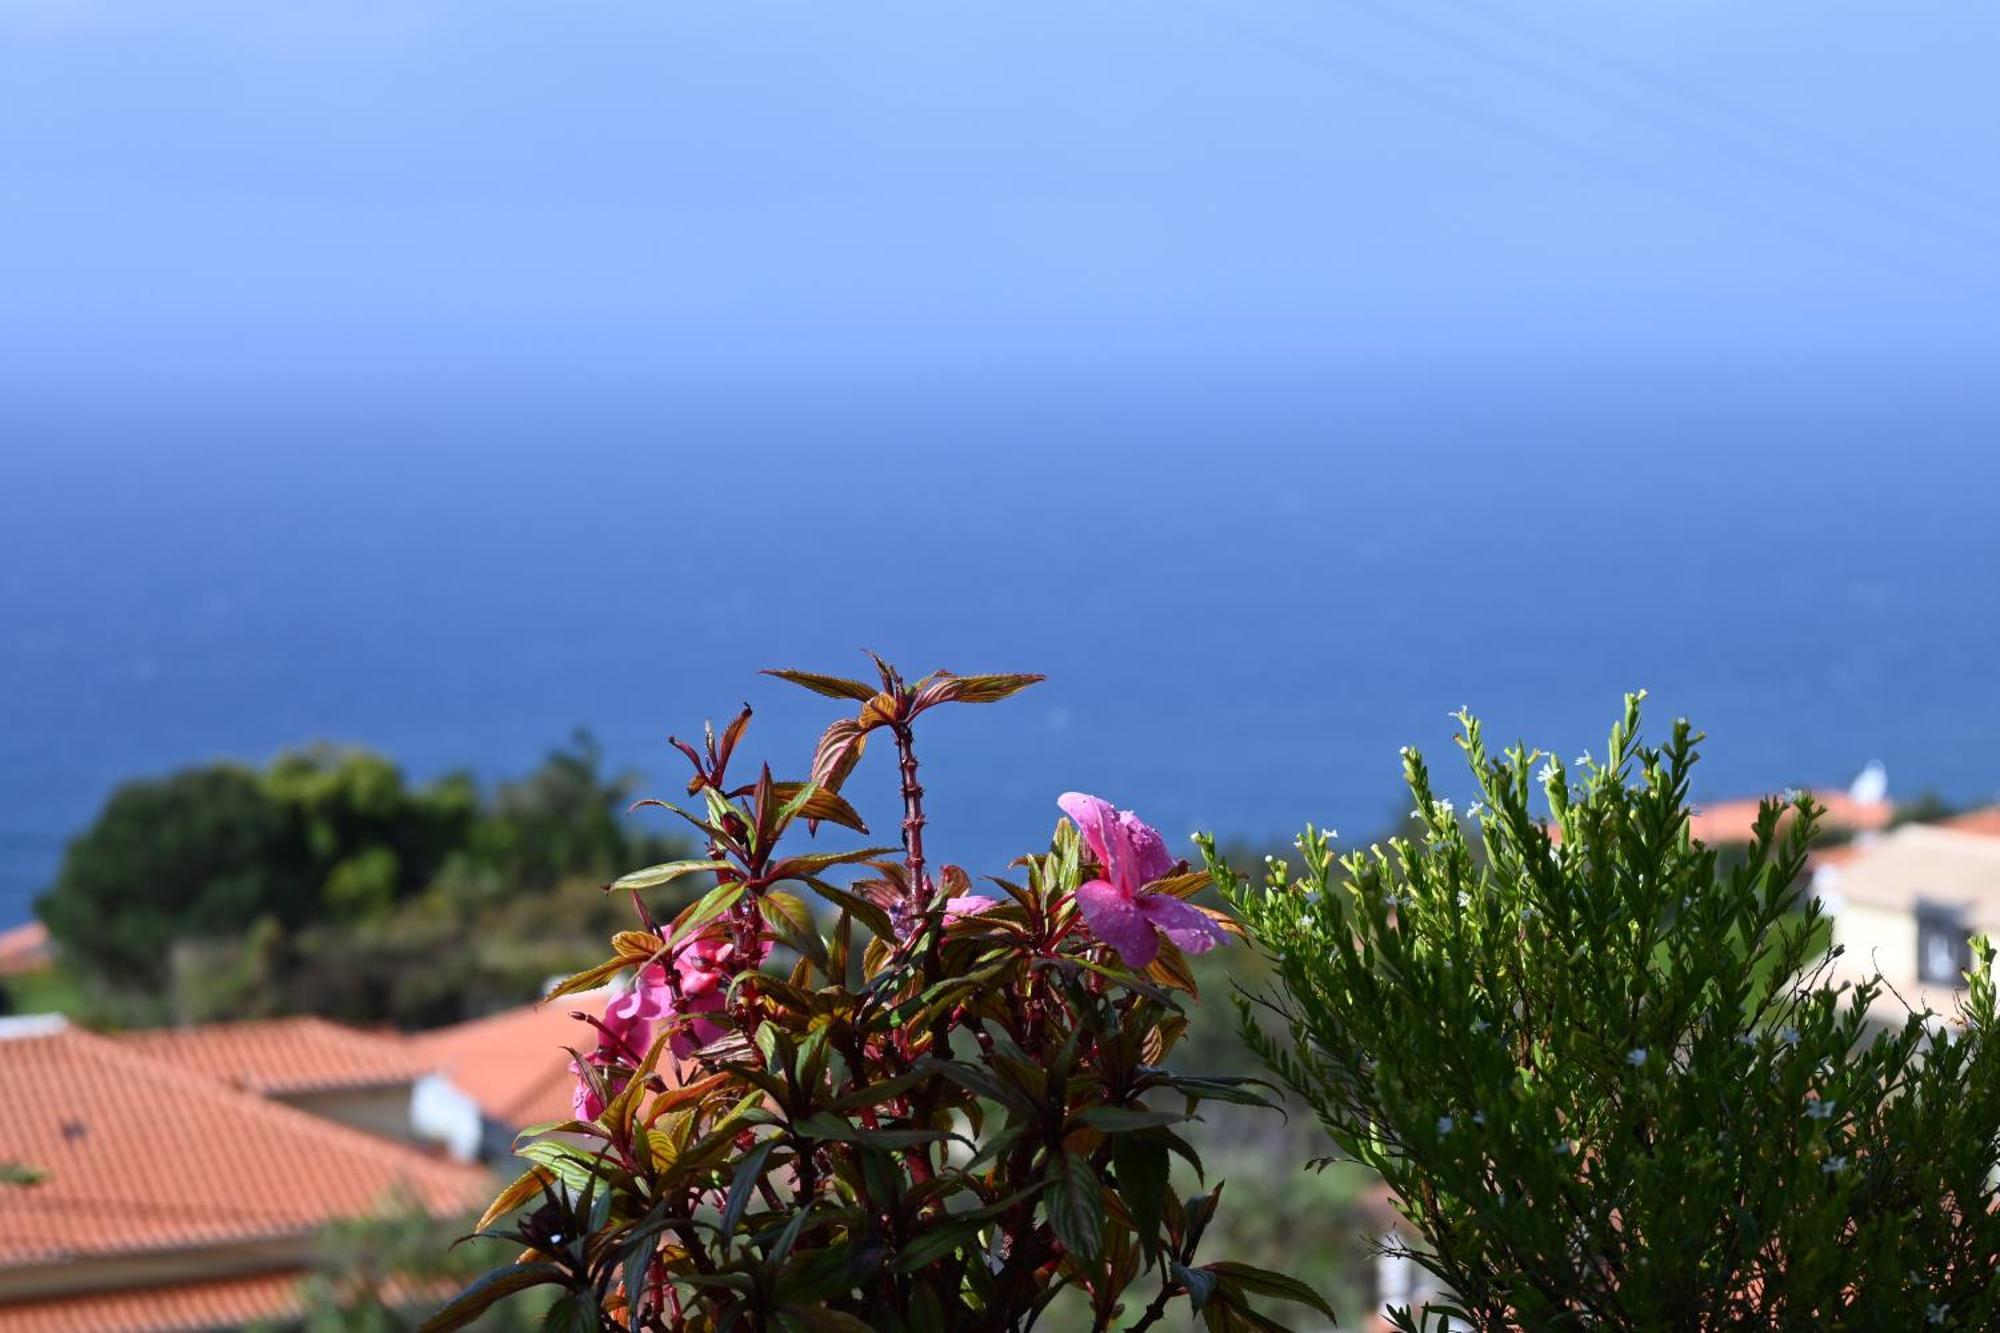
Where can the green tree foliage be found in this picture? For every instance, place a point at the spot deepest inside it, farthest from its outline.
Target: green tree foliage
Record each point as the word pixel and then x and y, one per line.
pixel 327 883
pixel 189 854
pixel 1603 1075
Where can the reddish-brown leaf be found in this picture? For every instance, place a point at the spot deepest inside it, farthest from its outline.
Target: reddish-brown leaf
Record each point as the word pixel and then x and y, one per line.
pixel 945 688
pixel 833 687
pixel 839 751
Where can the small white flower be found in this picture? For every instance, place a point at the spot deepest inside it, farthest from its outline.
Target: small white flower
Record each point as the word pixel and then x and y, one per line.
pixel 1270 860
pixel 1480 1025
pixel 1934 1314
pixel 1474 810
pixel 1833 1165
pixel 1444 806
pixel 1791 795
pixel 1788 1035
pixel 1528 914
pixel 1820 1110
pixel 1583 760
pixel 1464 898
pixel 1479 1117
pixel 1547 773
pixel 1636 1056
pixel 1406 750
pixel 1444 1125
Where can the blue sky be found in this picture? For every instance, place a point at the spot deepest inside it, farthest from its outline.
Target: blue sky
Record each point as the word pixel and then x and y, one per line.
pixel 235 196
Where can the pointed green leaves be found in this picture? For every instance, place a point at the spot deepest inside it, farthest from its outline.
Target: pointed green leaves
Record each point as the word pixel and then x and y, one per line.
pixel 1074 1203
pixel 665 873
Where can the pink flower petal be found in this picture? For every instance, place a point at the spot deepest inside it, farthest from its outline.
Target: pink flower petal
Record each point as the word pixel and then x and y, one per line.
pixel 1113 916
pixel 1190 928
pixel 698 1032
pixel 1094 817
pixel 583 1099
pixel 971 904
pixel 1150 860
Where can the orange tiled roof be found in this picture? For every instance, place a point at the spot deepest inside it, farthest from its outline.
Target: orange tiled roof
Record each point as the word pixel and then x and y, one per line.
pixel 182 1307
pixel 1733 821
pixel 25 948
pixel 514 1063
pixel 1984 822
pixel 142 1155
pixel 285 1055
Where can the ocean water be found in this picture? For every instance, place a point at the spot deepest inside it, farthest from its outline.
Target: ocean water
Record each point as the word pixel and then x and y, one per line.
pixel 1246 594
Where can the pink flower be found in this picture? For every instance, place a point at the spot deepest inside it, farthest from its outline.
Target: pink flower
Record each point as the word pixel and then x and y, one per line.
pixel 633 1019
pixel 706 967
pixel 965 905
pixel 1117 908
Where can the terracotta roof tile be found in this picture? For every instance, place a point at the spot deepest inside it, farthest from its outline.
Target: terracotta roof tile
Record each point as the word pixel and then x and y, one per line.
pixel 1985 823
pixel 143 1155
pixel 285 1055
pixel 182 1307
pixel 514 1063
pixel 25 948
pixel 1733 821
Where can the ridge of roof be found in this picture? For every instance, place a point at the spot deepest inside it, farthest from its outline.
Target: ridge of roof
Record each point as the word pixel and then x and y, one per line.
pixel 284 1055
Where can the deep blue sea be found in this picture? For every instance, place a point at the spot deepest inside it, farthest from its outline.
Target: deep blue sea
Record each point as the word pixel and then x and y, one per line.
pixel 1246 594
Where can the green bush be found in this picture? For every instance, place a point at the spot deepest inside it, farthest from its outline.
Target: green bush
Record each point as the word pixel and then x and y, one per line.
pixel 1605 1077
pixel 325 883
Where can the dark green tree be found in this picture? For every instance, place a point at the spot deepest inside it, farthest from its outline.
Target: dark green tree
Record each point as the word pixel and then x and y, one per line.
pixel 198 852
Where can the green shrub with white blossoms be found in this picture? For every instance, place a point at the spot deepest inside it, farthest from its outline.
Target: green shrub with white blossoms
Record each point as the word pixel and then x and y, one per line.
pixel 1609 1080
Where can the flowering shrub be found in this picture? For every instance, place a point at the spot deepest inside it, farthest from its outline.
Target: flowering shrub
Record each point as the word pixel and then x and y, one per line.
pixel 1605 1078
pixel 935 1110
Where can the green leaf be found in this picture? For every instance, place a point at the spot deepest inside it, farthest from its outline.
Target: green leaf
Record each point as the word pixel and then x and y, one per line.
pixel 798 867
pixel 664 873
pixel 867 913
pixel 528 1185
pixel 940 1240
pixel 792 923
pixel 500 1283
pixel 1198 1284
pixel 1120 1119
pixel 809 800
pixel 712 905
pixel 573 1312
pixel 819 1319
pixel 1264 1282
pixel 1141 1168
pixel 1074 1202
pixel 749 1170
pixel 981 1082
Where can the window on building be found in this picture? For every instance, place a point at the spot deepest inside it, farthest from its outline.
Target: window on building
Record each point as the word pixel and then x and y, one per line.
pixel 1944 944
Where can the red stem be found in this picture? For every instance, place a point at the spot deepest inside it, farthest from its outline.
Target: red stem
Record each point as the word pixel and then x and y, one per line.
pixel 913 817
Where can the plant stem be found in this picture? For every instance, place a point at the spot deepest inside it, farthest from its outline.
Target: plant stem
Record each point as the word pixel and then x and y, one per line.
pixel 913 816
